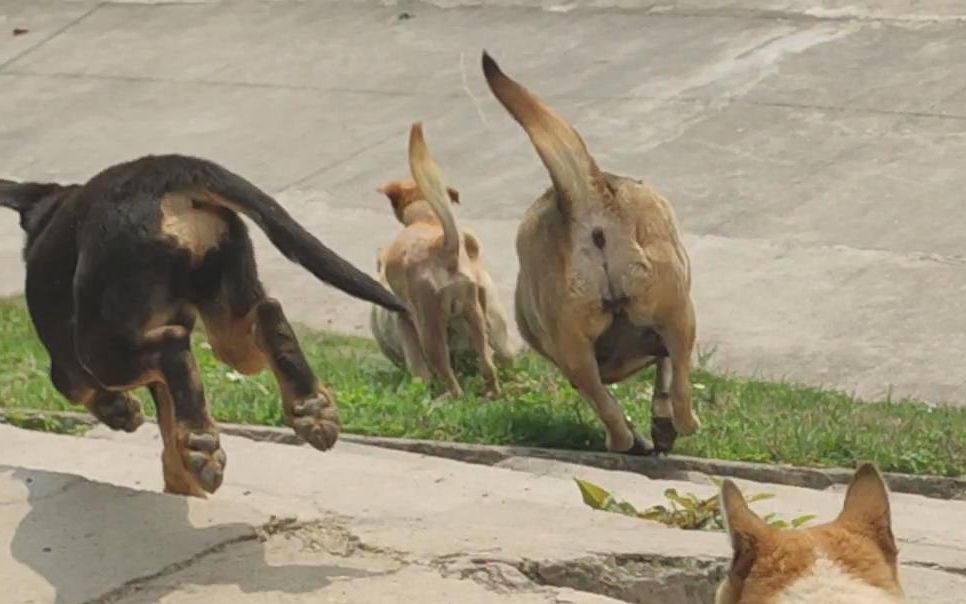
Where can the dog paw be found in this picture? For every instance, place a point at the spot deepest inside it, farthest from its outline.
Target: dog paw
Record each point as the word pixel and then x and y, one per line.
pixel 118 411
pixel 686 424
pixel 640 447
pixel 316 421
pixel 663 434
pixel 204 458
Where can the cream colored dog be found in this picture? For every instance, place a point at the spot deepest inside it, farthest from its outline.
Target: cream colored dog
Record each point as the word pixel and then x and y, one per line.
pixel 436 269
pixel 603 289
pixel 852 560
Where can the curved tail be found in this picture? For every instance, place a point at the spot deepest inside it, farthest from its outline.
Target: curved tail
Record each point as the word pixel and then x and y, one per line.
pixel 430 181
pixel 574 172
pixel 229 190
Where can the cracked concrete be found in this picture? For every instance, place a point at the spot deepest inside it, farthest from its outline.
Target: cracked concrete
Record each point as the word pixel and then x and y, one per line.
pixel 82 522
pixel 811 148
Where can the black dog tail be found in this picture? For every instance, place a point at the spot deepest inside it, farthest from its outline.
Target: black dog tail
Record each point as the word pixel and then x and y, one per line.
pixel 226 189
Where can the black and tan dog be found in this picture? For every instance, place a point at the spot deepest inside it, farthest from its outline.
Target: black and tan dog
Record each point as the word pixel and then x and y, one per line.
pixel 604 283
pixel 119 268
pixel 437 268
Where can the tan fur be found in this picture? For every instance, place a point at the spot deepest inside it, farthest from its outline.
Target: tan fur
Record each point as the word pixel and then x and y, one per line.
pixel 852 559
pixel 577 300
pixel 195 228
pixel 437 270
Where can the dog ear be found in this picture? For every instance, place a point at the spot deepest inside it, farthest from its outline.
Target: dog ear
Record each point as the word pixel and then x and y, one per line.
pixel 11 195
pixel 745 530
pixel 867 511
pixel 23 196
pixel 393 191
pixel 454 195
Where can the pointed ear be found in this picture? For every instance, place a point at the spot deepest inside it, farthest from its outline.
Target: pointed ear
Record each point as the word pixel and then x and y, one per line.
pixel 745 530
pixel 867 509
pixel 454 195
pixel 393 191
pixel 13 195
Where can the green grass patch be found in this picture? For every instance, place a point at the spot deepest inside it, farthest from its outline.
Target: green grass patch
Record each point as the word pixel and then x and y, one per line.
pixel 743 419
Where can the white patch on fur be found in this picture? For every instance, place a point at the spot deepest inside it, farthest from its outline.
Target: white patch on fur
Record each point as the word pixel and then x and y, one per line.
pixel 828 583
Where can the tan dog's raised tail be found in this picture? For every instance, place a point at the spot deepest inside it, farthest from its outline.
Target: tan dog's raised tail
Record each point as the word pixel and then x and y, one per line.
pixel 437 270
pixel 603 288
pixel 852 560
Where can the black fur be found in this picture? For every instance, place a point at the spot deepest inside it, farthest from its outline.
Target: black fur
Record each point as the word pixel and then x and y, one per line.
pixel 114 298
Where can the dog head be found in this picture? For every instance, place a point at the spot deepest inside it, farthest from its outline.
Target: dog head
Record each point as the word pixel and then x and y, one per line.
pixel 850 560
pixel 404 193
pixel 35 202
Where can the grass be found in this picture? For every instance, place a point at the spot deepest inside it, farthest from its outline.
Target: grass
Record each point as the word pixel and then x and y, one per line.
pixel 743 419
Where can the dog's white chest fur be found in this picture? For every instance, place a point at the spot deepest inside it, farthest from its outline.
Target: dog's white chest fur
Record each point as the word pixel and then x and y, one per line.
pixel 827 583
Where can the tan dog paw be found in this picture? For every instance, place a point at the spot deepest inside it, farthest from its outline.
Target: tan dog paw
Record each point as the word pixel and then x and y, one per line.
pixel 196 463
pixel 686 423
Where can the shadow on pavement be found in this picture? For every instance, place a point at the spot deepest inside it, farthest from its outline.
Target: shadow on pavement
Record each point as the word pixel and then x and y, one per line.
pixel 88 539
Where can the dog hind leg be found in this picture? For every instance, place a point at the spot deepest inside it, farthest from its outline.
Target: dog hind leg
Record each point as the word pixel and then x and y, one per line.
pixel 116 410
pixel 677 332
pixel 431 327
pixel 161 358
pixel 474 315
pixel 580 366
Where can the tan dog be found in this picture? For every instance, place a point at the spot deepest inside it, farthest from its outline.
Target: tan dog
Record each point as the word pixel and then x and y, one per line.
pixel 852 560
pixel 437 271
pixel 603 289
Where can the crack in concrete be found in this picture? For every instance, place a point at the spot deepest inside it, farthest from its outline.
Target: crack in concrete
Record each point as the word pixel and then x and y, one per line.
pixel 326 534
pixel 724 100
pixel 652 9
pixel 46 39
pixel 952 570
pixel 632 578
pixel 136 583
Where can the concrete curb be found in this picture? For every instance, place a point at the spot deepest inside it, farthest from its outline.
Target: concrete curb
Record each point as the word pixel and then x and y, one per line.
pixel 658 468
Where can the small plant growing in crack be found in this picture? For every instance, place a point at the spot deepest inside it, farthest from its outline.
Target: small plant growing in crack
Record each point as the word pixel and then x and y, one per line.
pixel 684 511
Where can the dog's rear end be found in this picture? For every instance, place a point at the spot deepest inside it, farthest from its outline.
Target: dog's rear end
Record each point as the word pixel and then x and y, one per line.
pixel 438 271
pixel 852 560
pixel 119 269
pixel 604 281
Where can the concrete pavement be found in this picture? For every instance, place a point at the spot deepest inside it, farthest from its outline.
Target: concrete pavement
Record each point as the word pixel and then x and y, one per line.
pixel 813 149
pixel 81 521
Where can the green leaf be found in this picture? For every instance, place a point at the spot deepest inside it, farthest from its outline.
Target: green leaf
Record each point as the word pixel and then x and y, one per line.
pixel 594 496
pixel 600 499
pixel 802 520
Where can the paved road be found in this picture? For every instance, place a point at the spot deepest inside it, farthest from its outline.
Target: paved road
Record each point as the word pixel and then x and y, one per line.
pixel 814 153
pixel 373 525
